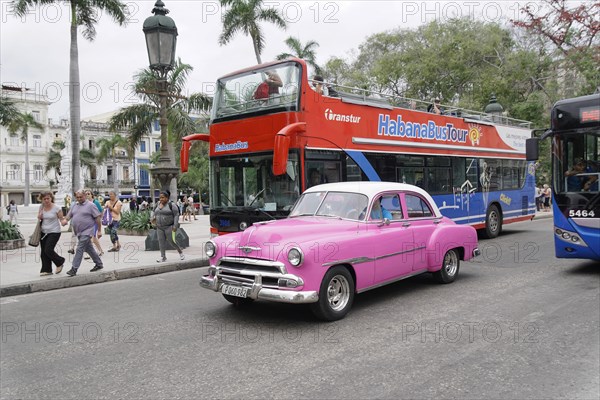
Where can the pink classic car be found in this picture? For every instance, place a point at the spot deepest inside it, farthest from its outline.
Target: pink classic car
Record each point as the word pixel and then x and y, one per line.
pixel 340 239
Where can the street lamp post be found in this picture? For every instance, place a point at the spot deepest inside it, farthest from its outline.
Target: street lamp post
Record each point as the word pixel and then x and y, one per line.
pixel 161 40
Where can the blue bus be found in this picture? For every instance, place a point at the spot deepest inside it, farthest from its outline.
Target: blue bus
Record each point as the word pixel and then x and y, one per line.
pixel 575 135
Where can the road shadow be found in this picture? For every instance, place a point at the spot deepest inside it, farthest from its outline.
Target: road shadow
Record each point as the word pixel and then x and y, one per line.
pixel 589 268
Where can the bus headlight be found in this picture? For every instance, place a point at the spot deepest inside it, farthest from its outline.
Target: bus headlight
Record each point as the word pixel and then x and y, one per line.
pixel 210 249
pixel 570 237
pixel 295 256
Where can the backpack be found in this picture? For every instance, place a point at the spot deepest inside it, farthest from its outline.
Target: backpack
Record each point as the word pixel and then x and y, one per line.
pixel 170 203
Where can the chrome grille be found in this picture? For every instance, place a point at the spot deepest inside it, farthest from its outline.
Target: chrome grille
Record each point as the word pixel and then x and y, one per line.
pixel 243 270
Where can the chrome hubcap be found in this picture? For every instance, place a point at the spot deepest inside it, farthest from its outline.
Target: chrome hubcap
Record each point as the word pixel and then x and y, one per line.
pixel 493 221
pixel 338 292
pixel 451 263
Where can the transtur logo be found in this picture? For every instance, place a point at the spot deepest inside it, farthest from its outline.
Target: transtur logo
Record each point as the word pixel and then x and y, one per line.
pixel 330 115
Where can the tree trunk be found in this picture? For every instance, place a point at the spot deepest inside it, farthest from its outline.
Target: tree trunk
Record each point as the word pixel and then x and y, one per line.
pixel 27 194
pixel 115 183
pixel 256 51
pixel 75 102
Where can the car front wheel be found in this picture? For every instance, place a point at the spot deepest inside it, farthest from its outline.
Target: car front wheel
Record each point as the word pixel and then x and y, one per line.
pixel 450 267
pixel 336 295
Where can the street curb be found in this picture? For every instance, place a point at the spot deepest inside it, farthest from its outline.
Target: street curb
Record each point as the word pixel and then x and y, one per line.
pixel 88 279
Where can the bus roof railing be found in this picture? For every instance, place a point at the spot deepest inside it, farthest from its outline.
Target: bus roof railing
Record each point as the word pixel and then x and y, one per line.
pixel 357 95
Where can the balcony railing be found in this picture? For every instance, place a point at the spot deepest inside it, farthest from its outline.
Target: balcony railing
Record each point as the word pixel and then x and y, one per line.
pixel 108 183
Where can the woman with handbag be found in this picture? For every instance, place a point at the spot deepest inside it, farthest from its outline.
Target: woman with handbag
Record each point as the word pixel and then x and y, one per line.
pixel 51 217
pixel 166 219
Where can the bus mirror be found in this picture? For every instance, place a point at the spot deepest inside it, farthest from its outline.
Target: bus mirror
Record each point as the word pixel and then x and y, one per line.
pixel 184 158
pixel 532 149
pixel 281 147
pixel 280 154
pixel 185 155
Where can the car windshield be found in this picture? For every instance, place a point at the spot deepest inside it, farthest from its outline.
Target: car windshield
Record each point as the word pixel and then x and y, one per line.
pixel 332 204
pixel 262 90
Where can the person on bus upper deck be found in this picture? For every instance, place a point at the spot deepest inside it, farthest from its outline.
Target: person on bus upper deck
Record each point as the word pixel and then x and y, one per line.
pixel 318 82
pixel 270 86
pixel 436 107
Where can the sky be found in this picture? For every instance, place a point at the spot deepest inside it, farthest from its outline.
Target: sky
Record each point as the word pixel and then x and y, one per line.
pixel 34 50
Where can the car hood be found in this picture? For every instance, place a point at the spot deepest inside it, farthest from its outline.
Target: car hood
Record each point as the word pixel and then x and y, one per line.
pixel 267 240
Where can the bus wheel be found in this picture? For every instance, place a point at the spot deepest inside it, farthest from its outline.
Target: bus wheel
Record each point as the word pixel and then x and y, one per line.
pixel 493 222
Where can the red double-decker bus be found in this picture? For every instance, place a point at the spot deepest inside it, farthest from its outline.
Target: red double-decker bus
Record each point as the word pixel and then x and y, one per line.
pixel 269 143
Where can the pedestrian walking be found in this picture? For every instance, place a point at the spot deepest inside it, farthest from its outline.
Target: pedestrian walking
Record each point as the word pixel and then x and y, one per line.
pixel 114 205
pixel 13 212
pixel 547 196
pixel 95 241
pixel 52 218
pixel 166 219
pixel 84 215
pixel 191 208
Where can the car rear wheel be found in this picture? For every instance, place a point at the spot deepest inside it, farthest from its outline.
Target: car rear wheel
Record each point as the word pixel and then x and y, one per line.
pixel 237 301
pixel 493 222
pixel 336 295
pixel 450 267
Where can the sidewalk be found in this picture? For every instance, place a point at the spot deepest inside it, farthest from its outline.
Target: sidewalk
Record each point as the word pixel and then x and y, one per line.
pixel 20 268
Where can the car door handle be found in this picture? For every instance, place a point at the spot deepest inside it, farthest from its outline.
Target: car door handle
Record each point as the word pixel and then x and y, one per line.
pixel 406 224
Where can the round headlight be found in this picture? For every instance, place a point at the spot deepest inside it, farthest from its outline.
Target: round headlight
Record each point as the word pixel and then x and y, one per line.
pixel 243 225
pixel 295 256
pixel 210 248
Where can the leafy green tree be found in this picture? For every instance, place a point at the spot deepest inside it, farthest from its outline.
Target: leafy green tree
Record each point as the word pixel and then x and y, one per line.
pixel 245 16
pixel 54 158
pixel 8 111
pixel 572 31
pixel 84 13
pixel 108 148
pixel 23 123
pixel 307 52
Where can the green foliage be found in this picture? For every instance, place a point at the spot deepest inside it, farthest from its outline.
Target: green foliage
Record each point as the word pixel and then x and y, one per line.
pixel 8 111
pixel 197 176
pixel 136 221
pixel 307 52
pixel 9 231
pixel 245 16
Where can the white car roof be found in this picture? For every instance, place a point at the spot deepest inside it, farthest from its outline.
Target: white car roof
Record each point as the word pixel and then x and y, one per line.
pixel 372 189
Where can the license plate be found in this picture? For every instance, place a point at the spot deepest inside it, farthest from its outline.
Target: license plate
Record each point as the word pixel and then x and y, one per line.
pixel 237 291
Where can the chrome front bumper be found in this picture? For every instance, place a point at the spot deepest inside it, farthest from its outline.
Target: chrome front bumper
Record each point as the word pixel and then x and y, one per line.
pixel 256 291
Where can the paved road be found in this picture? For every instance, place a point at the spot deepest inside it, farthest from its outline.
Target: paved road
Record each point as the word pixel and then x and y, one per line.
pixel 517 324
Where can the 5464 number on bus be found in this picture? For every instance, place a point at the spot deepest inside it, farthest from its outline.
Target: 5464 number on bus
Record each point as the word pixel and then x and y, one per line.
pixel 582 213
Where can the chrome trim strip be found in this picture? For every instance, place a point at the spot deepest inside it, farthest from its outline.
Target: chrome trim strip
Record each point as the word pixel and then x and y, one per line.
pixel 392 280
pixel 254 261
pixel 248 249
pixel 399 253
pixel 356 260
pixel 359 260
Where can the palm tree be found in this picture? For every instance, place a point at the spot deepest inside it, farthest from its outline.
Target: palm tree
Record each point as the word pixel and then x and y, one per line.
pixel 245 16
pixel 8 111
pixel 108 148
pixel 54 158
pixel 138 118
pixel 23 123
pixel 305 52
pixel 83 13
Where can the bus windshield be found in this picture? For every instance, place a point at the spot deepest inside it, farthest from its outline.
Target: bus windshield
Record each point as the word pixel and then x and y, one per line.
pixel 248 181
pixel 256 91
pixel 577 162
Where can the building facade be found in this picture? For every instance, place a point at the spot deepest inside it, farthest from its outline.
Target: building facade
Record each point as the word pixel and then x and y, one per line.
pixel 130 171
